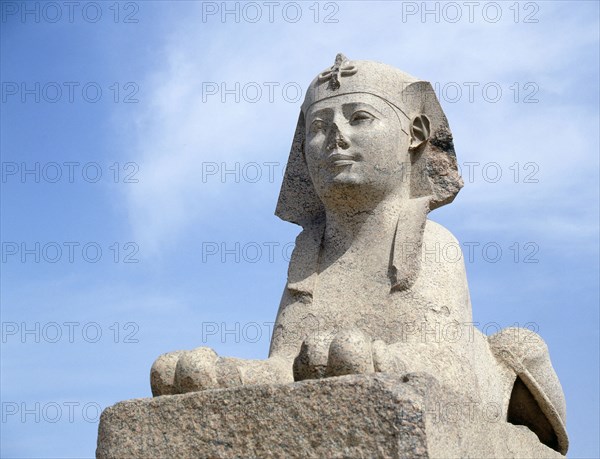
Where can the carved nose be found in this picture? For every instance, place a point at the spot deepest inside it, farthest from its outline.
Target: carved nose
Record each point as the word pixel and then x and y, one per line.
pixel 337 140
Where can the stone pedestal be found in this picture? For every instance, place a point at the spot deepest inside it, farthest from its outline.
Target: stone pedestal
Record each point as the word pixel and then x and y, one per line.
pixel 355 416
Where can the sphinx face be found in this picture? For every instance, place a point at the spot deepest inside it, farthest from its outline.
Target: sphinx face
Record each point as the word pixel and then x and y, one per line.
pixel 355 147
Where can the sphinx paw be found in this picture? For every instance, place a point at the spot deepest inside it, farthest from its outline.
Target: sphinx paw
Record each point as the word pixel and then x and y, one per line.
pixel 162 374
pixel 196 371
pixel 350 352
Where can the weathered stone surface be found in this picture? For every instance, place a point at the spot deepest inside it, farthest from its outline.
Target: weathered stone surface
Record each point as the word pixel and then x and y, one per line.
pixel 373 284
pixel 355 416
pixel 196 370
pixel 162 373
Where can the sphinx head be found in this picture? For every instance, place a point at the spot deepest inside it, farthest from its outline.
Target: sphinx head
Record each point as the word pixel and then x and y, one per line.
pixel 367 130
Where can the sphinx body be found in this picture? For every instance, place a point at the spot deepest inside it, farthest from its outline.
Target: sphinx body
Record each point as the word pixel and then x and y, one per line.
pixel 369 288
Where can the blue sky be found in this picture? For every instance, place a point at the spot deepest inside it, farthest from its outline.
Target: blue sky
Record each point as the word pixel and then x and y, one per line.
pixel 146 222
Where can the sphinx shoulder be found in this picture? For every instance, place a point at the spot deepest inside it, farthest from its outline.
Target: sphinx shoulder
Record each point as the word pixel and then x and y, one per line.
pixel 442 266
pixel 436 233
pixel 441 248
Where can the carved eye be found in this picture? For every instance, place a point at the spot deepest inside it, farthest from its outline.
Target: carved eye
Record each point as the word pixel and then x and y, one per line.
pixel 317 126
pixel 361 116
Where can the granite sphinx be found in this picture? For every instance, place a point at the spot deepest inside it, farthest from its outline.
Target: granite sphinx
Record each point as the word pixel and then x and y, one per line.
pixel 372 155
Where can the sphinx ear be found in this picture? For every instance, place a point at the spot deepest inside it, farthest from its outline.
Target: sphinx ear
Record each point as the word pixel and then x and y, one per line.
pixel 419 131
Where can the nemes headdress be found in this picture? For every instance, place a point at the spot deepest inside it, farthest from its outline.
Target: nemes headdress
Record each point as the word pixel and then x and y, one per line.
pixel 434 172
pixel 434 177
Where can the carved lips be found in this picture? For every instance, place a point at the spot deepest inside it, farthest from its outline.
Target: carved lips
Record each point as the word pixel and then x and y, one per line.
pixel 339 159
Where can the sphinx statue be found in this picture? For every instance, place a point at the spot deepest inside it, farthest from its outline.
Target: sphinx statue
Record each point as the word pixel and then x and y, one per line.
pixel 372 155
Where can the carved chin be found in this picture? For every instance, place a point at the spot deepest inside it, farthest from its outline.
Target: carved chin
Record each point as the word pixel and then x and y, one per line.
pixel 359 180
pixel 343 181
pixel 346 176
